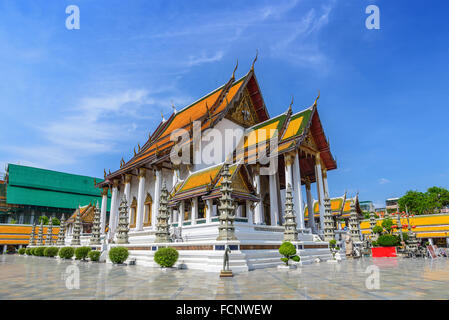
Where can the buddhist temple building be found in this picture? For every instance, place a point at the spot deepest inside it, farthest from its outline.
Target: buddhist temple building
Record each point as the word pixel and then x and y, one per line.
pixel 341 210
pixel 265 154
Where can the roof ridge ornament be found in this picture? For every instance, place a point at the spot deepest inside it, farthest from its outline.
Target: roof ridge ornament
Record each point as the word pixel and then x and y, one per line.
pixel 208 112
pixel 291 104
pixel 255 59
pixel 162 115
pixel 233 72
pixel 174 108
pixel 315 103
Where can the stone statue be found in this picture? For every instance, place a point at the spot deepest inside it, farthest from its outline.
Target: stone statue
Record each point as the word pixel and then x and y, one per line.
pixel 348 245
pixel 226 259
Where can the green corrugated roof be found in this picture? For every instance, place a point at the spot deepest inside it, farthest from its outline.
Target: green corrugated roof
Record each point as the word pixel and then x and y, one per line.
pixel 47 198
pixel 40 187
pixel 30 177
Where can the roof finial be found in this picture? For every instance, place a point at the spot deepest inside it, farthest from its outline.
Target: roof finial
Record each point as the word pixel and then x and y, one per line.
pixel 208 111
pixel 134 151
pixel 255 59
pixel 314 104
pixel 173 107
pixel 233 72
pixel 291 104
pixel 162 115
pixel 104 171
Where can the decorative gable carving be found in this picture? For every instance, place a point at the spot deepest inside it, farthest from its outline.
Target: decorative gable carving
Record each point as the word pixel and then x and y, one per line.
pixel 243 111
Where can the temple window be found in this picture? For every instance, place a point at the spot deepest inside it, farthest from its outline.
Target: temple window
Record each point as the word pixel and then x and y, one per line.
pixel 133 212
pixel 201 209
pixel 243 210
pixel 187 210
pixel 148 205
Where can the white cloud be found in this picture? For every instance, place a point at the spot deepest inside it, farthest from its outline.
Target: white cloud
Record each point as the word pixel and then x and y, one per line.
pixel 203 58
pixel 301 46
pixel 384 181
pixel 103 124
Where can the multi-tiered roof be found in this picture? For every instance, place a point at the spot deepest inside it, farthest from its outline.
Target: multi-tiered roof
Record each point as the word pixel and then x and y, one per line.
pixel 240 101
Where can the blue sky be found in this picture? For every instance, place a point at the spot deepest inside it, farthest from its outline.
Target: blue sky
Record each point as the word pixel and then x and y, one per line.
pixel 79 100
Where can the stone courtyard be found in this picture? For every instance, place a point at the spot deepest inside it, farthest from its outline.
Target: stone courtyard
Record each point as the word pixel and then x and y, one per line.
pixel 23 277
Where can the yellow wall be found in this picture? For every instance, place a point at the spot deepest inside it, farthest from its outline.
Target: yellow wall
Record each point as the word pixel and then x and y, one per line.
pixel 20 234
pixel 427 226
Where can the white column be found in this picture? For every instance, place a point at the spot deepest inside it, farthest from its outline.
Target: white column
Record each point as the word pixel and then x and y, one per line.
pixel 319 182
pixel 238 211
pixel 127 193
pixel 249 212
pixel 157 196
pixel 274 203
pixel 174 179
pixel 310 207
pixel 4 248
pixel 209 209
pixel 104 208
pixel 258 218
pixel 431 241
pixel 181 214
pixel 114 209
pixel 297 190
pixel 194 214
pixel 288 170
pixel 214 210
pixel 140 199
pixel 326 186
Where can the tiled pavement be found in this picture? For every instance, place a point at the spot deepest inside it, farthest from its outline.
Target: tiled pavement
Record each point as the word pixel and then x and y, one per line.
pixel 23 277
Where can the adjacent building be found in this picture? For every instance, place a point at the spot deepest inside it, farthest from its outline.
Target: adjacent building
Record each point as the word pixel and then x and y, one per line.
pixel 28 192
pixel 367 206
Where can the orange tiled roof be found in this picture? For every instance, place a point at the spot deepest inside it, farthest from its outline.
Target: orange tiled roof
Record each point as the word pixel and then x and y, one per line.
pixel 86 213
pixel 160 140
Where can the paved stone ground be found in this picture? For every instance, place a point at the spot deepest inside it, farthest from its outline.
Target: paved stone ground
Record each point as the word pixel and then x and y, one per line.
pixel 23 277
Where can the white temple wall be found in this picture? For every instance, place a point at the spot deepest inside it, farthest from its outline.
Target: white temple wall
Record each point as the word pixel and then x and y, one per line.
pixel 167 177
pixel 214 151
pixel 133 189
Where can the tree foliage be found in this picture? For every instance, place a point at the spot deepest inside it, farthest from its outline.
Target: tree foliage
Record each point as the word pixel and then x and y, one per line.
pixel 431 201
pixel 288 250
pixel 387 224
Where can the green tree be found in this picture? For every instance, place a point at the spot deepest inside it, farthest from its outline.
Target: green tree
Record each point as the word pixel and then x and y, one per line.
pixel 387 224
pixel 437 198
pixel 45 220
pixel 428 202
